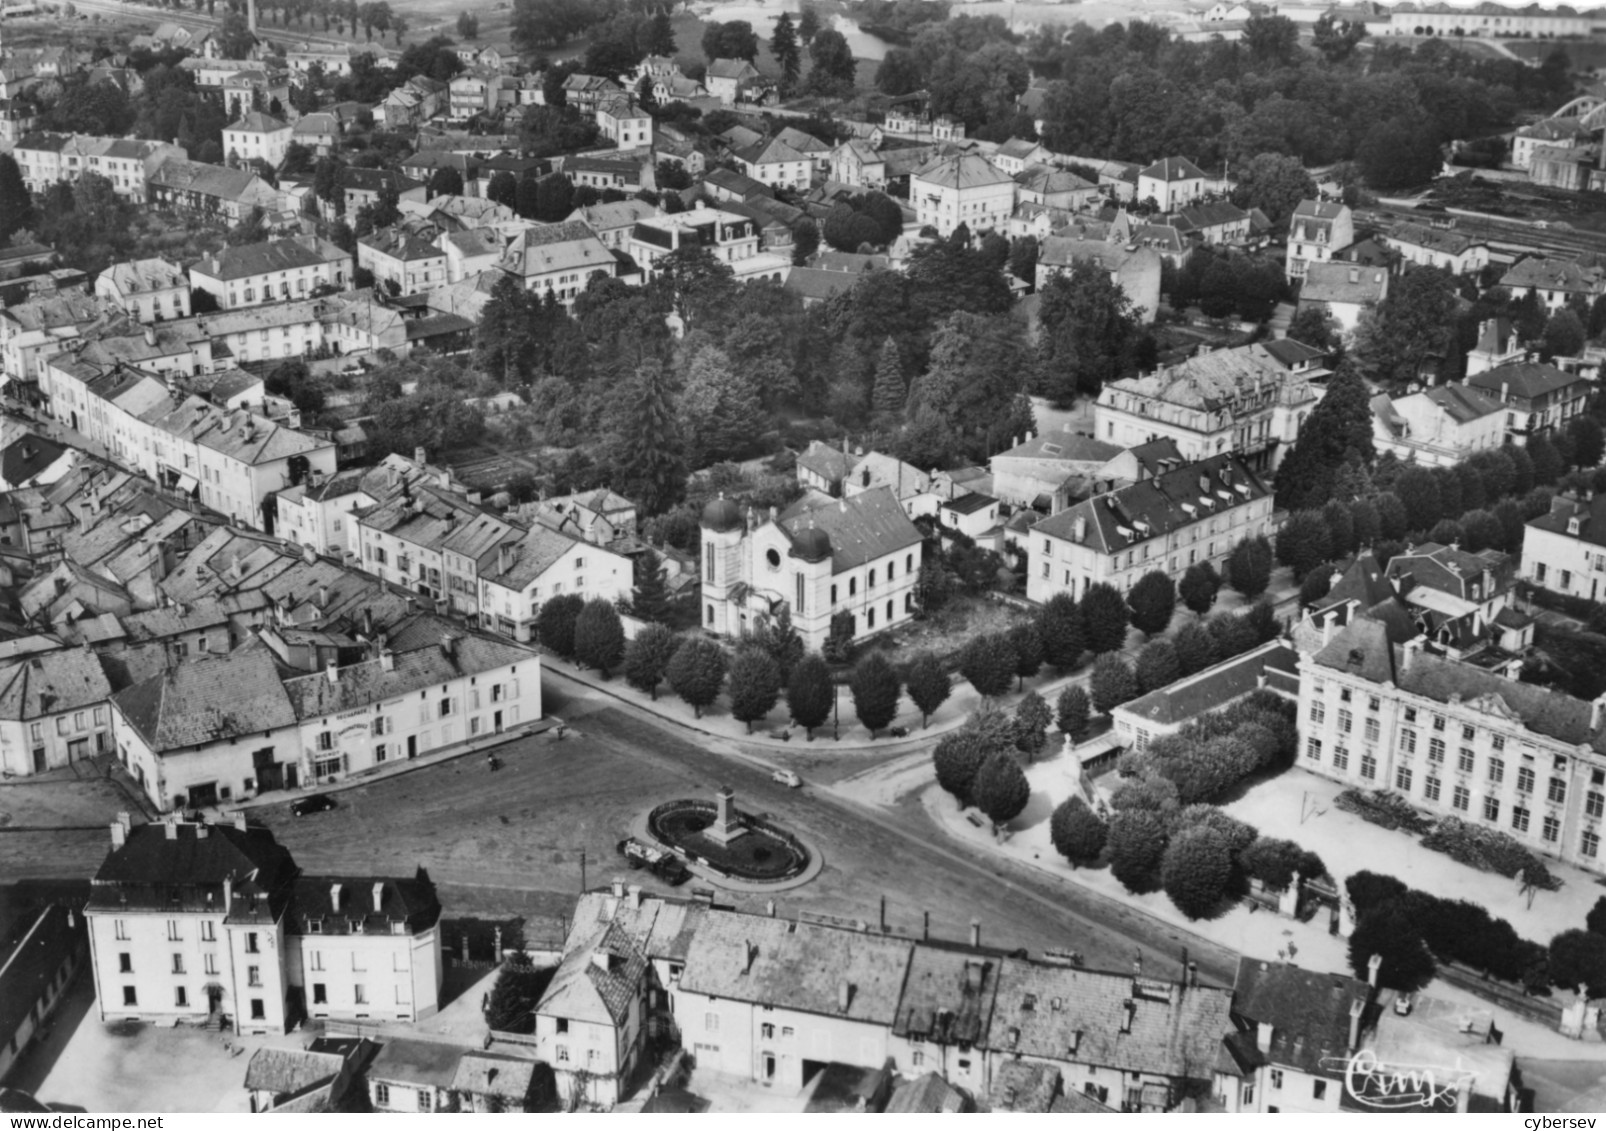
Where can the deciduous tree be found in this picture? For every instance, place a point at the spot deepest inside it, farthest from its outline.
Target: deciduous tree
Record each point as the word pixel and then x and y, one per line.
pixel 697 672
pixel 1200 584
pixel 755 685
pixel 647 657
pixel 1157 666
pixel 1249 566
pixel 988 662
pixel 1078 833
pixel 1032 720
pixel 1059 625
pixel 810 693
pixel 599 637
pixel 1137 843
pixel 1152 600
pixel 958 756
pixel 554 625
pixel 929 684
pixel 1073 710
pixel 1104 618
pixel 1195 870
pixel 875 689
pixel 1112 682
pixel 1001 789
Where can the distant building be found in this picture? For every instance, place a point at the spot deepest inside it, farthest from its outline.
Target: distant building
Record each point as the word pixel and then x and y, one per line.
pixel 1565 550
pixel 257 137
pixel 1538 398
pixel 147 290
pixel 1344 290
pixel 1166 710
pixel 559 259
pixel 1135 268
pixel 275 271
pixel 1555 280
pixel 1316 230
pixel 1173 183
pixel 38 965
pixel 962 189
pixel 1440 426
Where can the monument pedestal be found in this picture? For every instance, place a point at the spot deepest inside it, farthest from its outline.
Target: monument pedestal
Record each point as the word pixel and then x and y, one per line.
pixel 724 829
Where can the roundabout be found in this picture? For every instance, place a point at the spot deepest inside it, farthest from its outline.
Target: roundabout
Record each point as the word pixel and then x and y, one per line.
pixel 732 849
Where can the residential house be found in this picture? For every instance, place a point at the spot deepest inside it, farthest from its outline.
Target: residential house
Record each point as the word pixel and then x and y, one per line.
pixel 319 132
pixel 53 708
pixel 1444 248
pixel 1316 230
pixel 275 271
pixel 1214 223
pixel 735 80
pixel 429 540
pixel 1564 550
pixel 400 259
pixel 1234 400
pixel 859 557
pixel 1193 513
pixel 729 237
pixel 1054 188
pixel 42 326
pixel 34 461
pixel 1545 133
pixel 38 964
pixel 559 259
pixel 787 160
pixel 1497 344
pixel 147 290
pixel 1460 601
pixel 1136 269
pixel 962 189
pixel 318 1078
pixel 530 567
pixel 1440 426
pixel 855 162
pixel 1048 472
pixel 363 186
pixel 335 61
pixel 414 1076
pixel 210 190
pixel 1016 155
pixel 623 121
pixel 600 516
pixel 1454 739
pixel 1173 183
pixel 257 137
pixel 1168 709
pixel 469 253
pixel 1538 398
pixel 1344 290
pixel 472 92
pixel 583 92
pixel 612 223
pixel 1555 280
pixel 823 466
pixel 620 174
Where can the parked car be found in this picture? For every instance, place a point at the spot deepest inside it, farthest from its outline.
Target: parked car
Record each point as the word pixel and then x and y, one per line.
pixel 313 803
pixel 787 778
pixel 665 865
pixel 1403 1004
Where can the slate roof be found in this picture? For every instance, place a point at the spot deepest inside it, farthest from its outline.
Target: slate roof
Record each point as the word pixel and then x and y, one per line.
pixel 800 965
pixel 739 183
pixel 1173 169
pixel 1023 1085
pixel 1445 240
pixel 868 526
pixel 150 856
pixel 830 461
pixel 1070 447
pixel 814 283
pixel 135 275
pixel 1331 282
pixel 930 1093
pixel 1157 503
pixel 209 180
pixel 259 123
pixel 246 260
pixel 28 967
pixel 1564 275
pixel 962 171
pixel 1591 514
pixel 615 214
pixel 1525 379
pixel 1198 217
pixel 947 996
pixel 1064 251
pixel 1046 1011
pixel 288 1071
pixel 486 1074
pixel 1309 1014
pixel 418 1063
pixel 739 69
pixel 397 244
pixel 1048 181
pixel 207 700
pixel 27 456
pixel 410 901
pixel 556 247
pixel 1463 403
pixel 1214 687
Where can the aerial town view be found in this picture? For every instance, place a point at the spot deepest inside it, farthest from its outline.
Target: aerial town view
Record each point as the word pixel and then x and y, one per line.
pixel 792 556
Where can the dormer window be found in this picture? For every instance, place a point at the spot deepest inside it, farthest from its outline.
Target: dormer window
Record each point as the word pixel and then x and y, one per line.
pixel 1573 525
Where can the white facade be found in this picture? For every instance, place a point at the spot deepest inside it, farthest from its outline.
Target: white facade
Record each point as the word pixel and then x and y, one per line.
pixel 965 190
pixel 264 140
pixel 509 602
pixel 147 290
pixel 276 271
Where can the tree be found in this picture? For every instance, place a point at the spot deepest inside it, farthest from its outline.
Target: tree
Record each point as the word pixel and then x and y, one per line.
pixel 891 390
pixel 1408 328
pixel 235 40
pixel 755 685
pixel 779 639
pixel 783 45
pixel 928 684
pixel 1199 586
pixel 1087 327
pixel 810 693
pixel 875 690
pixel 1337 39
pixel 832 67
pixel 1152 601
pixel 1397 153
pixel 647 657
pixel 599 637
pixel 958 757
pixel 1303 543
pixel 1314 326
pixel 1059 626
pixel 1072 711
pixel 733 40
pixel 16 206
pixel 1195 870
pixel 1340 424
pixel 1419 492
pixel 1249 566
pixel 1564 336
pixel 1195 648
pixel 510 1006
pixel 808 24
pixel 1275 184
pixel 1032 720
pixel 1001 789
pixel 1078 833
pixel 648 463
pixel 1157 666
pixel 1104 618
pixel 1595 921
pixel 696 672
pixel 1578 958
pixel 445 181
pixel 1589 442
pixel 554 626
pixel 1136 843
pixel 1028 648
pixel 468 25
pixel 649 598
pixel 1112 682
pixel 1391 931
pixel 988 662
pixel 720 414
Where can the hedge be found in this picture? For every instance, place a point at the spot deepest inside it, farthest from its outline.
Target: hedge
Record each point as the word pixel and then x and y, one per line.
pixel 1385 808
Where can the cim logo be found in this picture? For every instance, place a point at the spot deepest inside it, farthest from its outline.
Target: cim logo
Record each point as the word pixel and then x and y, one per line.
pixel 1373 1083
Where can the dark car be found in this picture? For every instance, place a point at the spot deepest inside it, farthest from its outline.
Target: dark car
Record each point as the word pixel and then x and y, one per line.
pixel 316 803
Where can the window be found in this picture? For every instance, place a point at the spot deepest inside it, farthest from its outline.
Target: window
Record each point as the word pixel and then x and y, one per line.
pixel 317 960
pixel 1525 779
pixel 1318 1089
pixel 1594 802
pixel 1551 829
pixel 359 994
pixel 209 963
pixel 1372 730
pixel 253 975
pixel 1341 758
pixel 381 1091
pixel 1346 721
pixel 446 708
pixel 1519 819
pixel 251 943
pixel 1590 844
pixel 125 963
pixel 1438 722
pixel 1497 770
pixel 1498 741
pixel 1558 790
pixel 1276 1079
pixel 1436 750
pixel 178 964
pixel 1430 789
pixel 1402 779
pixel 767 1031
pixel 1318 711
pixel 1491 809
pixel 120 929
pixel 1466 761
pixel 1461 798
pixel 1373 703
pixel 711 1022
pixel 1344 694
pixel 1408 741
pixel 563 1054
pixel 181 997
pixel 1410 714
pixel 172 931
pixel 1368 767
pixel 426 1100
pixel 1313 749
pixel 130 996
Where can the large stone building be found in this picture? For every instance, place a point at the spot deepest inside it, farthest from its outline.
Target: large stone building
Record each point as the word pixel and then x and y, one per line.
pixel 1565 550
pixel 192 920
pixel 858 558
pixel 1195 512
pixel 1316 230
pixel 963 189
pixel 1537 398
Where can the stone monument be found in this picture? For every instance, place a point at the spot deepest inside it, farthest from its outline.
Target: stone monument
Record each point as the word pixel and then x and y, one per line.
pixel 725 827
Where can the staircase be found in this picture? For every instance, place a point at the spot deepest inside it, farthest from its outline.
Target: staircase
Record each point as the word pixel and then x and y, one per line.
pixel 215 1023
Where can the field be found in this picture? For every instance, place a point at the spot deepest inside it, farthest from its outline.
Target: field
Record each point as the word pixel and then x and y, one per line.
pixel 1585 54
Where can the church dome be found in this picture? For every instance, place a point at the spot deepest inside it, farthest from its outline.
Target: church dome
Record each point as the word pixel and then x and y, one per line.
pixel 721 515
pixel 811 544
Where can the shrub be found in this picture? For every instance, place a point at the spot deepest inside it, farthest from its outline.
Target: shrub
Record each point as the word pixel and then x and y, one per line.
pixel 1137 841
pixel 1001 789
pixel 958 756
pixel 1150 794
pixel 1078 833
pixel 1384 808
pixel 1195 870
pixel 1488 850
pixel 1368 890
pixel 1273 862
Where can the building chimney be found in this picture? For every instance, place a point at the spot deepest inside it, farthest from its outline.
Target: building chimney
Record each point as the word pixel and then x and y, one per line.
pixel 1263 1036
pixel 119 835
pixel 171 825
pixel 1129 1010
pixel 309 555
pixel 228 895
pixel 387 660
pixel 379 897
pixel 769 908
pixel 368 622
pixel 1373 965
pixel 1193 974
pixel 634 896
pixel 1357 1010
pixel 150 335
pixel 975 932
pixel 1408 652
pixel 418 457
pixel 1354 274
pixel 448 645
pixel 1596 710
pixel 750 956
pixel 240 823
pixel 332 669
pixel 334 897
pixel 618 888
pixel 201 832
pixel 504 557
pixel 844 995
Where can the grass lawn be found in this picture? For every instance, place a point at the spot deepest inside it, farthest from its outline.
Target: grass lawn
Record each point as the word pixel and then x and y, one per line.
pixel 961 619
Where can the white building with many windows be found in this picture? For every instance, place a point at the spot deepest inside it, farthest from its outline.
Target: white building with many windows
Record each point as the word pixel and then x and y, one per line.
pixel 1565 551
pixel 1378 712
pixel 53 711
pixel 1316 230
pixel 257 137
pixel 275 271
pixel 963 189
pixel 1196 512
pixel 518 575
pixel 729 237
pixel 147 290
